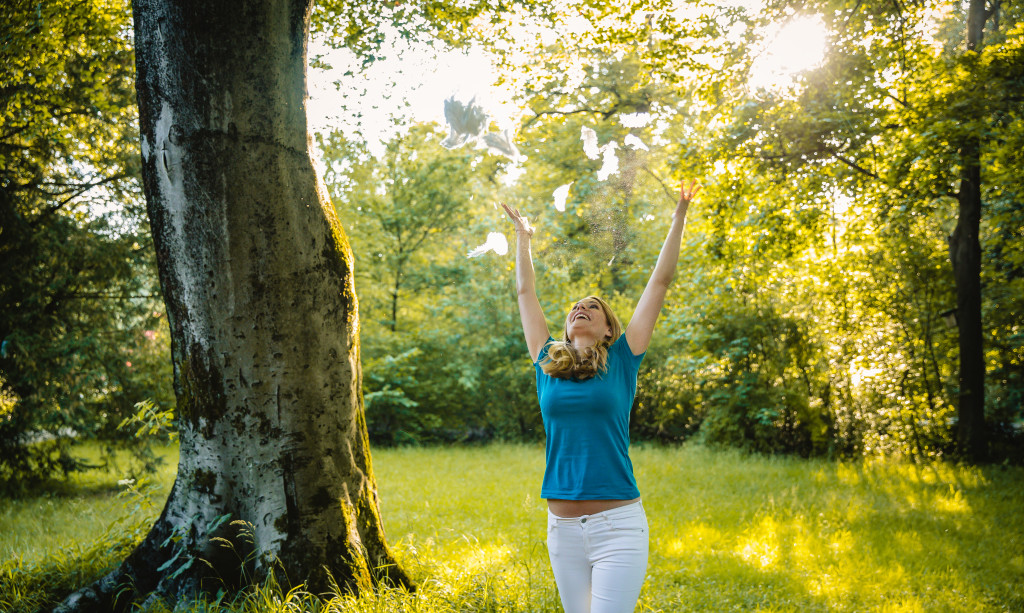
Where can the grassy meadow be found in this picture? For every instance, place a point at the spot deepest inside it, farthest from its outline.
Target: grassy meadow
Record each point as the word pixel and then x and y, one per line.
pixel 729 532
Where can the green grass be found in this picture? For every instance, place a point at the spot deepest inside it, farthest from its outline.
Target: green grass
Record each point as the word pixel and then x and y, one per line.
pixel 729 532
pixel 77 512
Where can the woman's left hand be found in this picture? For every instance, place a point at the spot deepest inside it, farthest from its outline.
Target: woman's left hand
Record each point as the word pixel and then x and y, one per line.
pixel 686 195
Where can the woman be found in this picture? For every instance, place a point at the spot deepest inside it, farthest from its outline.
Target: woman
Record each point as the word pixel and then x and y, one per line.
pixel 597 529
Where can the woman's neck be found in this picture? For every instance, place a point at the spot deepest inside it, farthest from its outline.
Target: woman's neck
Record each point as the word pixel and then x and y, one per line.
pixel 579 343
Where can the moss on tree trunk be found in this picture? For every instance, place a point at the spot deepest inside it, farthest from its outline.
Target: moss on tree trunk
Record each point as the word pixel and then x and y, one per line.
pixel 275 470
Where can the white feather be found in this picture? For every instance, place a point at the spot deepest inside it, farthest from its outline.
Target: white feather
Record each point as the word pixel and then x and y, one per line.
pixel 589 138
pixel 495 242
pixel 501 143
pixel 561 195
pixel 466 121
pixel 633 142
pixel 611 163
pixel 606 151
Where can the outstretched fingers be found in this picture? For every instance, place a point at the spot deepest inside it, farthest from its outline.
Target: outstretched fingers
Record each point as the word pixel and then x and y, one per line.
pixel 522 224
pixel 686 194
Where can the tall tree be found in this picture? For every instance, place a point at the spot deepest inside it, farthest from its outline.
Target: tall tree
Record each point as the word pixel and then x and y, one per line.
pixel 902 118
pixel 405 205
pixel 965 254
pixel 256 271
pixel 257 277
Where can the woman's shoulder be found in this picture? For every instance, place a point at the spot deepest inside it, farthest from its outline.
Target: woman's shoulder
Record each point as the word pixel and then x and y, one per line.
pixel 544 349
pixel 621 348
pixel 620 344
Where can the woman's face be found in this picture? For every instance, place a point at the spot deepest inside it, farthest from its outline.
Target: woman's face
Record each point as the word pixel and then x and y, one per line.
pixel 587 318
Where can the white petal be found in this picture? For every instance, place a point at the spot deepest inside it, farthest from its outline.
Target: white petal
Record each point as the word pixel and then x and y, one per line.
pixel 561 195
pixel 635 120
pixel 495 242
pixel 633 142
pixel 589 138
pixel 610 166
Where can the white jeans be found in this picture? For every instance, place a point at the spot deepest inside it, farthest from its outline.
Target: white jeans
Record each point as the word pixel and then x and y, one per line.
pixel 599 560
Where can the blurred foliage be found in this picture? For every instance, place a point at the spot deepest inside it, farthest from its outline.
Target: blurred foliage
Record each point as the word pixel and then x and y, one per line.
pixel 81 326
pixel 869 145
pixel 437 330
pixel 809 314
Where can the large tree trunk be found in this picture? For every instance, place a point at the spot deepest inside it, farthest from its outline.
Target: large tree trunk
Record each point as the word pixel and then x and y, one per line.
pixel 257 275
pixel 965 253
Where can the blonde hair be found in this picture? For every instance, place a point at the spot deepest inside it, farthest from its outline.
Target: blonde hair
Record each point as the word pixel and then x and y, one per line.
pixel 564 361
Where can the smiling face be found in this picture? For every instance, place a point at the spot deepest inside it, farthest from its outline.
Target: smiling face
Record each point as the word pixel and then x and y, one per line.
pixel 590 318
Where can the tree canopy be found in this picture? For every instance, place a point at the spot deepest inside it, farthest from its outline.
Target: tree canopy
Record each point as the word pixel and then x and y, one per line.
pixel 850 283
pixel 812 313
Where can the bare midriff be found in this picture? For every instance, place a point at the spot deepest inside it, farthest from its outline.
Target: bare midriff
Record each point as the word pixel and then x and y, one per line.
pixel 579 508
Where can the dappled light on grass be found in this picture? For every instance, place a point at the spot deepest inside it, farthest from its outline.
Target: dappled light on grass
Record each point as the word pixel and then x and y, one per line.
pixel 483 558
pixel 762 547
pixel 464 555
pixel 910 487
pixel 692 539
pixel 728 532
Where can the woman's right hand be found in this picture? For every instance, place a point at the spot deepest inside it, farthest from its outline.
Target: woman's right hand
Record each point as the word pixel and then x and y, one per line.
pixel 522 223
pixel 535 326
pixel 686 195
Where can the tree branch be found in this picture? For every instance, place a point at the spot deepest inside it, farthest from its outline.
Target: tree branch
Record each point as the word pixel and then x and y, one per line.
pixel 664 187
pixel 855 166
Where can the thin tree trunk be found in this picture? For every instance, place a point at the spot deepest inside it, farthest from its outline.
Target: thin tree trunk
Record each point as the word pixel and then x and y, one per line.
pixel 274 471
pixel 965 254
pixel 396 288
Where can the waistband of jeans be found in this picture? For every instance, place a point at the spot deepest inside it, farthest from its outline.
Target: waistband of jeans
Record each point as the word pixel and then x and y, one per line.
pixel 628 509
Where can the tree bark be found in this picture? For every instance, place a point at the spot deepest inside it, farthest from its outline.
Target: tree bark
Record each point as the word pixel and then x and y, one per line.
pixel 274 471
pixel 965 254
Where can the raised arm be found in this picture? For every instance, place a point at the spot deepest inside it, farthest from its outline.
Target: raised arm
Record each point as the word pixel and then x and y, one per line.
pixel 641 325
pixel 535 327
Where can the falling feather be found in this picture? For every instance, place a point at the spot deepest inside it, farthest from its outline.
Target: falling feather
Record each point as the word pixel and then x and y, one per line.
pixel 561 195
pixel 633 142
pixel 635 120
pixel 610 163
pixel 501 143
pixel 496 242
pixel 589 138
pixel 466 122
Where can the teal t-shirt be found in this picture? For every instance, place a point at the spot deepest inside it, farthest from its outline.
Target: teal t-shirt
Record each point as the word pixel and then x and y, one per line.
pixel 587 428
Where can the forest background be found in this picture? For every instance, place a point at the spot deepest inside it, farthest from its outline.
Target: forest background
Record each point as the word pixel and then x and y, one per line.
pixel 814 308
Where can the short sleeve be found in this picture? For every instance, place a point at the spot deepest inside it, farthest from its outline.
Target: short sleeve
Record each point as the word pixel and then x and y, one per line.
pixel 544 351
pixel 622 349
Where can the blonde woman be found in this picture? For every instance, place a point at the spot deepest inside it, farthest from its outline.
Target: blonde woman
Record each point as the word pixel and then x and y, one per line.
pixel 586 381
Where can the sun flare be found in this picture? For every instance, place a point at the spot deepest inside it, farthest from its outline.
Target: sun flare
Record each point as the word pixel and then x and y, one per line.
pixel 789 48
